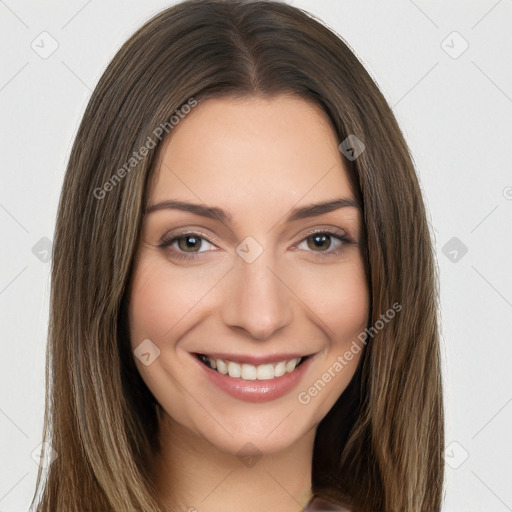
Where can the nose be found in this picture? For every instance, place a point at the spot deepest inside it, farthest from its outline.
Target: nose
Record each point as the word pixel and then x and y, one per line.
pixel 257 298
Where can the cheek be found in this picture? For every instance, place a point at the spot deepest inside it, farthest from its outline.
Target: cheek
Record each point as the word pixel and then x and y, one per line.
pixel 160 300
pixel 346 310
pixel 339 299
pixel 160 309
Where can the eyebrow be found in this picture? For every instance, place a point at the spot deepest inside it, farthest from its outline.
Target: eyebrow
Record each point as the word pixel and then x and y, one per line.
pixel 213 212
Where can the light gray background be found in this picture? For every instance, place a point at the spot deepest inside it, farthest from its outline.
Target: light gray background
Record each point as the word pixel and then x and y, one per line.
pixel 456 113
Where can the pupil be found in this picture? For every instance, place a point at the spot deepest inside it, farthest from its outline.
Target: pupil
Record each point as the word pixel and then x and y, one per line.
pixel 189 245
pixel 320 240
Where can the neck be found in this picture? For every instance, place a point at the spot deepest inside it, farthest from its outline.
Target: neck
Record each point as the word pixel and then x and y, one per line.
pixel 192 474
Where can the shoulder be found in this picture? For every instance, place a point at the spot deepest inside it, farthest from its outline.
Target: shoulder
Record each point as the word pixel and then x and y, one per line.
pixel 318 504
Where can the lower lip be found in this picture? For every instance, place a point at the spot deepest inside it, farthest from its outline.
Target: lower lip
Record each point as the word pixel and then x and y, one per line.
pixel 256 390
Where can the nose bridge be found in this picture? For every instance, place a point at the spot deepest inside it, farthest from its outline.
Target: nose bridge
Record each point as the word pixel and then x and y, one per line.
pixel 257 300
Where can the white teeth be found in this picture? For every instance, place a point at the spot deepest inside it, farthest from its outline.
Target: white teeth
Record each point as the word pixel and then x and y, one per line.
pixel 248 372
pixel 234 369
pixel 252 372
pixel 290 365
pixel 222 367
pixel 280 369
pixel 265 372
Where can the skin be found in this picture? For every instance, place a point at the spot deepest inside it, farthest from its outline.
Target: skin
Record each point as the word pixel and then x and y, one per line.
pixel 257 159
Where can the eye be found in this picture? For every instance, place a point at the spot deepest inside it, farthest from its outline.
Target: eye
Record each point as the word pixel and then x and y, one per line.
pixel 188 245
pixel 325 242
pixel 185 245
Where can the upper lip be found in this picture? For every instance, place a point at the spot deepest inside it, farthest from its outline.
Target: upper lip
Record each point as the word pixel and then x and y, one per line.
pixel 254 359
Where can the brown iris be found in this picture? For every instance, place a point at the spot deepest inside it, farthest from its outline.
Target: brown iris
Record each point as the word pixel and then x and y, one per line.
pixel 191 242
pixel 318 240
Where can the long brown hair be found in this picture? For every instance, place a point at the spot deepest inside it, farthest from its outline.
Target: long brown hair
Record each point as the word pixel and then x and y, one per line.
pixel 380 447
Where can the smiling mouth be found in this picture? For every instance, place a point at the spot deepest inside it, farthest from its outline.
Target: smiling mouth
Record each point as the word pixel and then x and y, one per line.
pixel 249 371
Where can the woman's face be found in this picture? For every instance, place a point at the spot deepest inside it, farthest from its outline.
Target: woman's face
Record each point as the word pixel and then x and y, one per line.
pixel 262 284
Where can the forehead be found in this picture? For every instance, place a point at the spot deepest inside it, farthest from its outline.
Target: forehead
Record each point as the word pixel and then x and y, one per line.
pixel 254 149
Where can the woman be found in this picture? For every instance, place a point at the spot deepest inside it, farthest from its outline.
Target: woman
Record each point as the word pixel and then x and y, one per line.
pixel 244 301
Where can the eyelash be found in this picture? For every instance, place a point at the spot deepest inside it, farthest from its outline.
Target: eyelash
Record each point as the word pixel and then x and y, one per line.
pixel 168 241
